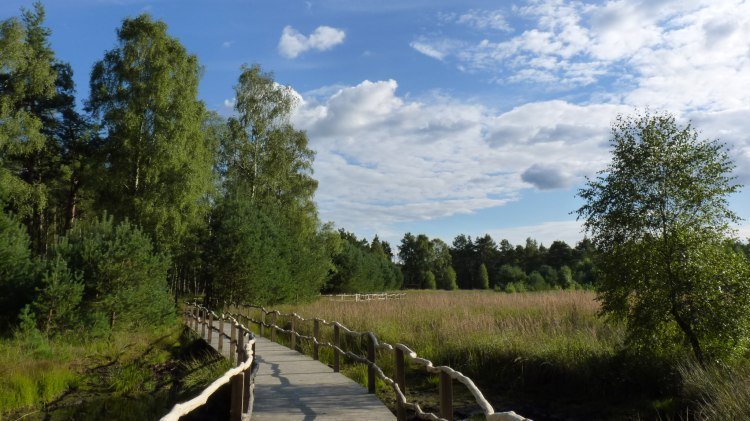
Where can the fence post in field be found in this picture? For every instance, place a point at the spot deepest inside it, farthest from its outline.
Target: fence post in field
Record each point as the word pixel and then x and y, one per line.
pixel 210 326
pixel 293 336
pixel 232 344
pixel 221 333
pixel 446 396
pixel 371 366
pixel 262 322
pixel 235 412
pixel 316 336
pixel 401 381
pixel 273 326
pixel 240 346
pixel 337 342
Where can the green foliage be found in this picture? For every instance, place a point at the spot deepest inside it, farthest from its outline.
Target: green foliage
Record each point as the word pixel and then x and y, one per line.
pixel 659 216
pixel 58 297
pixel 426 263
pixel 255 255
pixel 267 244
pixel 510 274
pixel 16 270
pixel 157 161
pixel 123 278
pixel 358 267
pixel 536 282
pixel 483 278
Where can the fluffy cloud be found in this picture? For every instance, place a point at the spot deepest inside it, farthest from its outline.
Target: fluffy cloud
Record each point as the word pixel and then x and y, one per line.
pixel 483 19
pixel 383 158
pixel 665 54
pixel 293 43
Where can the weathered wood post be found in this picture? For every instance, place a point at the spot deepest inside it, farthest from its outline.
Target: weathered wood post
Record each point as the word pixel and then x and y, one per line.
pixel 221 333
pixel 210 326
pixel 235 412
pixel 371 367
pixel 337 342
pixel 262 323
pixel 401 381
pixel 273 326
pixel 203 323
pixel 247 389
pixel 446 396
pixel 293 336
pixel 232 344
pixel 316 336
pixel 240 346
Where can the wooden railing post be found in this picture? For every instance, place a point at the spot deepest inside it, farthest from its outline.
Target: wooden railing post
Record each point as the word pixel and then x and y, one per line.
pixel 210 326
pixel 247 391
pixel 273 327
pixel 294 337
pixel 401 382
pixel 232 344
pixel 235 412
pixel 262 323
pixel 371 367
pixel 337 342
pixel 203 323
pixel 221 333
pixel 446 396
pixel 240 346
pixel 316 336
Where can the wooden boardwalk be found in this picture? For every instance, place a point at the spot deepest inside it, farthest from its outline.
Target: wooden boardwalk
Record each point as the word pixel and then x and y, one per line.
pixel 292 386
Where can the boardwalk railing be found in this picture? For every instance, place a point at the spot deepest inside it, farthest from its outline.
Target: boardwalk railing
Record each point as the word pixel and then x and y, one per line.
pixel 401 354
pixel 241 352
pixel 379 296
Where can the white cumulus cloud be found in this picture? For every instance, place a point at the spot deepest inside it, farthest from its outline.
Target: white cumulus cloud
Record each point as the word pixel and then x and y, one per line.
pixel 292 43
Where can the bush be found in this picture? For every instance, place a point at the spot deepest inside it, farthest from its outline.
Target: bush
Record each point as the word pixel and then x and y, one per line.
pixel 123 278
pixel 16 270
pixel 58 297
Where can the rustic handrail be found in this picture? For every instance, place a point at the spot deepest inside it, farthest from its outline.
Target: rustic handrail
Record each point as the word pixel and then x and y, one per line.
pixel 374 296
pixel 401 352
pixel 242 376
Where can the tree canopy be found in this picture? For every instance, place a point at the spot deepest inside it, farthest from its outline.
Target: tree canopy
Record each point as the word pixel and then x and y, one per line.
pixel 658 214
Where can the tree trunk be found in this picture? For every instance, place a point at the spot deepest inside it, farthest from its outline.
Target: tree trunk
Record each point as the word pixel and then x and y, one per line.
pixel 688 330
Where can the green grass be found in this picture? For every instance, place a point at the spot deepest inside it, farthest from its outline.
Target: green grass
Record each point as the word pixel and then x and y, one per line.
pixel 141 372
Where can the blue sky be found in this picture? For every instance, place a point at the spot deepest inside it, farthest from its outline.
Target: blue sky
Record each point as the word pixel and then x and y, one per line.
pixel 456 116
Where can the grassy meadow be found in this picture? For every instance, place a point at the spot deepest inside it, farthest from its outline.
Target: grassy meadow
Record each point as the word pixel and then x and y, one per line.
pixel 545 355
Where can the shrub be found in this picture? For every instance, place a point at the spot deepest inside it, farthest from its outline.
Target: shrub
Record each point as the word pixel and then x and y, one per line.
pixel 123 278
pixel 16 270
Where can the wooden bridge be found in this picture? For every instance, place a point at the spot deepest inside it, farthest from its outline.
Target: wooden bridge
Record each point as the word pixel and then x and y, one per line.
pixel 276 382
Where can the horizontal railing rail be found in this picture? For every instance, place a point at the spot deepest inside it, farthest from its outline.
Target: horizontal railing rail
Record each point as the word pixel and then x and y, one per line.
pixel 378 296
pixel 241 352
pixel 401 354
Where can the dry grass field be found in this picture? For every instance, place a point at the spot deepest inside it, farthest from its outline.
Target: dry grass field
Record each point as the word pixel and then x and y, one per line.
pixel 545 354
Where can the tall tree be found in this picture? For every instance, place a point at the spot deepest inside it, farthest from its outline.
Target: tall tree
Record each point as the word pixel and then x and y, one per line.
pixel 268 189
pixel 157 161
pixel 29 109
pixel 658 215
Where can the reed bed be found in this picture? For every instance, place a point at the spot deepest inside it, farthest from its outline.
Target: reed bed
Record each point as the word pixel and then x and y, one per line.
pixel 542 353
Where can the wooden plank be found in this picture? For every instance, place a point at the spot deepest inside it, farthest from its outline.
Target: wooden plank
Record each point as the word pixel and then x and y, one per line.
pixel 292 386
